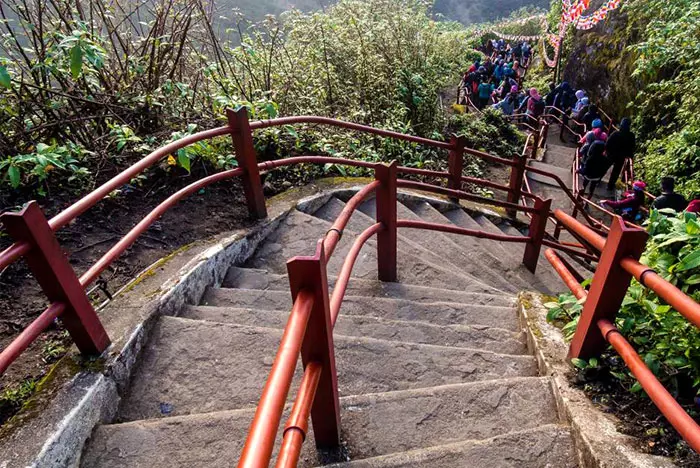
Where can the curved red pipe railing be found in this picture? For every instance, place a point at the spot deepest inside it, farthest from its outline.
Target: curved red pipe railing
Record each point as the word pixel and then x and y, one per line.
pixel 450 228
pixel 563 271
pixel 336 231
pixel 341 283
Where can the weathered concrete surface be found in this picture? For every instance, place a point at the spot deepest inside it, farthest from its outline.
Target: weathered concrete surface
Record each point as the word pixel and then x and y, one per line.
pixel 253 278
pixel 474 337
pixel 381 423
pixel 547 446
pixel 194 366
pixel 441 313
pixel 299 233
pixel 597 441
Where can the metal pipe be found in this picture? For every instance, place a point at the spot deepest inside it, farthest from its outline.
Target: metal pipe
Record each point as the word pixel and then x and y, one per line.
pixel 269 165
pixel 298 423
pixel 261 434
pixel 409 223
pixel 349 125
pixel 462 195
pixel 587 234
pixel 335 232
pixel 569 250
pixel 13 253
pixel 29 334
pixel 669 407
pixel 87 202
pixel 341 283
pixel 566 275
pixel 126 241
pixel 673 296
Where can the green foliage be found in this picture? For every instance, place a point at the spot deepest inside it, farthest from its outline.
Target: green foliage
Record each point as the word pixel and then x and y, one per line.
pixel 37 166
pixel 667 341
pixel 12 399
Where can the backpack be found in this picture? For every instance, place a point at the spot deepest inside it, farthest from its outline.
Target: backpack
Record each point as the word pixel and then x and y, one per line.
pixel 538 107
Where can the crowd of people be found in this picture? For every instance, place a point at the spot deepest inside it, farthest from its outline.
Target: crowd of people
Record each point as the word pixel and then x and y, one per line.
pixel 497 82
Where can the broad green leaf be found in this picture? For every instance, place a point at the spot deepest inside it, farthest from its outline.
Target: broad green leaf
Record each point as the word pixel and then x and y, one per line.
pixel 184 160
pixel 5 79
pixel 76 61
pixel 689 261
pixel 14 175
pixel 580 363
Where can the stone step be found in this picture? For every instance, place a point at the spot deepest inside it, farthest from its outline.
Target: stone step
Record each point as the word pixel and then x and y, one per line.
pixel 564 173
pixel 480 257
pixel 195 366
pixel 299 233
pixel 440 244
pixel 475 337
pixel 461 218
pixel 359 221
pixel 546 446
pixel 438 313
pixel 252 278
pixel 372 425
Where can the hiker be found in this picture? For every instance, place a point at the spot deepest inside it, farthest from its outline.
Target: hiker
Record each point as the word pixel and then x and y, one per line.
pixel 475 66
pixel 669 198
pixel 589 139
pixel 580 96
pixel 620 147
pixel 498 71
pixel 549 97
pixel 508 104
pixel 485 90
pixel 506 85
pixel 629 206
pixel 565 97
pixel 595 166
pixel 596 131
pixel 527 52
pixel 591 116
pixel 534 105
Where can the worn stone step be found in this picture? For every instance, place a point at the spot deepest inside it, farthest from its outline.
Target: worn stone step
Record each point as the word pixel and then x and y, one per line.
pixel 195 366
pixel 252 278
pixel 475 337
pixel 299 233
pixel 439 313
pixel 476 255
pixel 372 425
pixel 460 218
pixel 448 255
pixel 546 446
pixel 564 173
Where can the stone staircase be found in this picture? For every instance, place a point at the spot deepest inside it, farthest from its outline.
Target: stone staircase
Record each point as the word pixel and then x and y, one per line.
pixel 433 370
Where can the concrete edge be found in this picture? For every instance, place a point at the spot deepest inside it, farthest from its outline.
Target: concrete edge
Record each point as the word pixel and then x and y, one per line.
pixel 598 442
pixel 61 421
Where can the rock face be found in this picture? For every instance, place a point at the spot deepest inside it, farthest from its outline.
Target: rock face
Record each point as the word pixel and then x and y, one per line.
pixel 432 370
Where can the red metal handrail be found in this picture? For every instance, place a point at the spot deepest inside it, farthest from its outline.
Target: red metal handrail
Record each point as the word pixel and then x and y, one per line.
pixel 451 228
pixel 336 231
pixel 261 435
pixel 563 271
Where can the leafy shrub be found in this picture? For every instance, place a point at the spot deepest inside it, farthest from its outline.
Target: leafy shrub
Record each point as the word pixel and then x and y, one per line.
pixel 668 342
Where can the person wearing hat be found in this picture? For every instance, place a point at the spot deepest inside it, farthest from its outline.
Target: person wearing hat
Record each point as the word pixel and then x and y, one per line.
pixel 534 107
pixel 620 147
pixel 590 116
pixel 595 165
pixel 629 206
pixel 508 104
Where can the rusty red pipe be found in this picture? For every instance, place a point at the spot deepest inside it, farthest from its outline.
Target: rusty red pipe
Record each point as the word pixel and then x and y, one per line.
pixel 669 407
pixel 451 228
pixel 13 253
pixel 673 296
pixel 336 231
pixel 125 242
pixel 261 434
pixel 29 334
pixel 569 250
pixel 298 423
pixel 572 224
pixel 566 275
pixel 341 283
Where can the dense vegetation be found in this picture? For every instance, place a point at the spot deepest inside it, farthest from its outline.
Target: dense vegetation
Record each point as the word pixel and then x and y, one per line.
pixel 86 88
pixel 643 62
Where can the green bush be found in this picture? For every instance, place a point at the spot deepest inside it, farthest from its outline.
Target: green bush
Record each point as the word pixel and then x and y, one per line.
pixel 667 341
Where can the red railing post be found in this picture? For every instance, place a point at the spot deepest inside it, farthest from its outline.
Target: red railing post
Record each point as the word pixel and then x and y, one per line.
pixel 538 225
pixel 455 164
pixel 608 288
pixel 57 278
pixel 386 214
pixel 242 137
pixel 309 274
pixel 517 172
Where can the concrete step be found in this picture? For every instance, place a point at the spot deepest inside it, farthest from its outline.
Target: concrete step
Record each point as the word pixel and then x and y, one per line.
pixel 564 173
pixel 196 366
pixel 546 446
pixel 497 340
pixel 252 278
pixel 461 218
pixel 372 425
pixel 438 313
pixel 473 253
pixel 299 233
pixel 360 221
